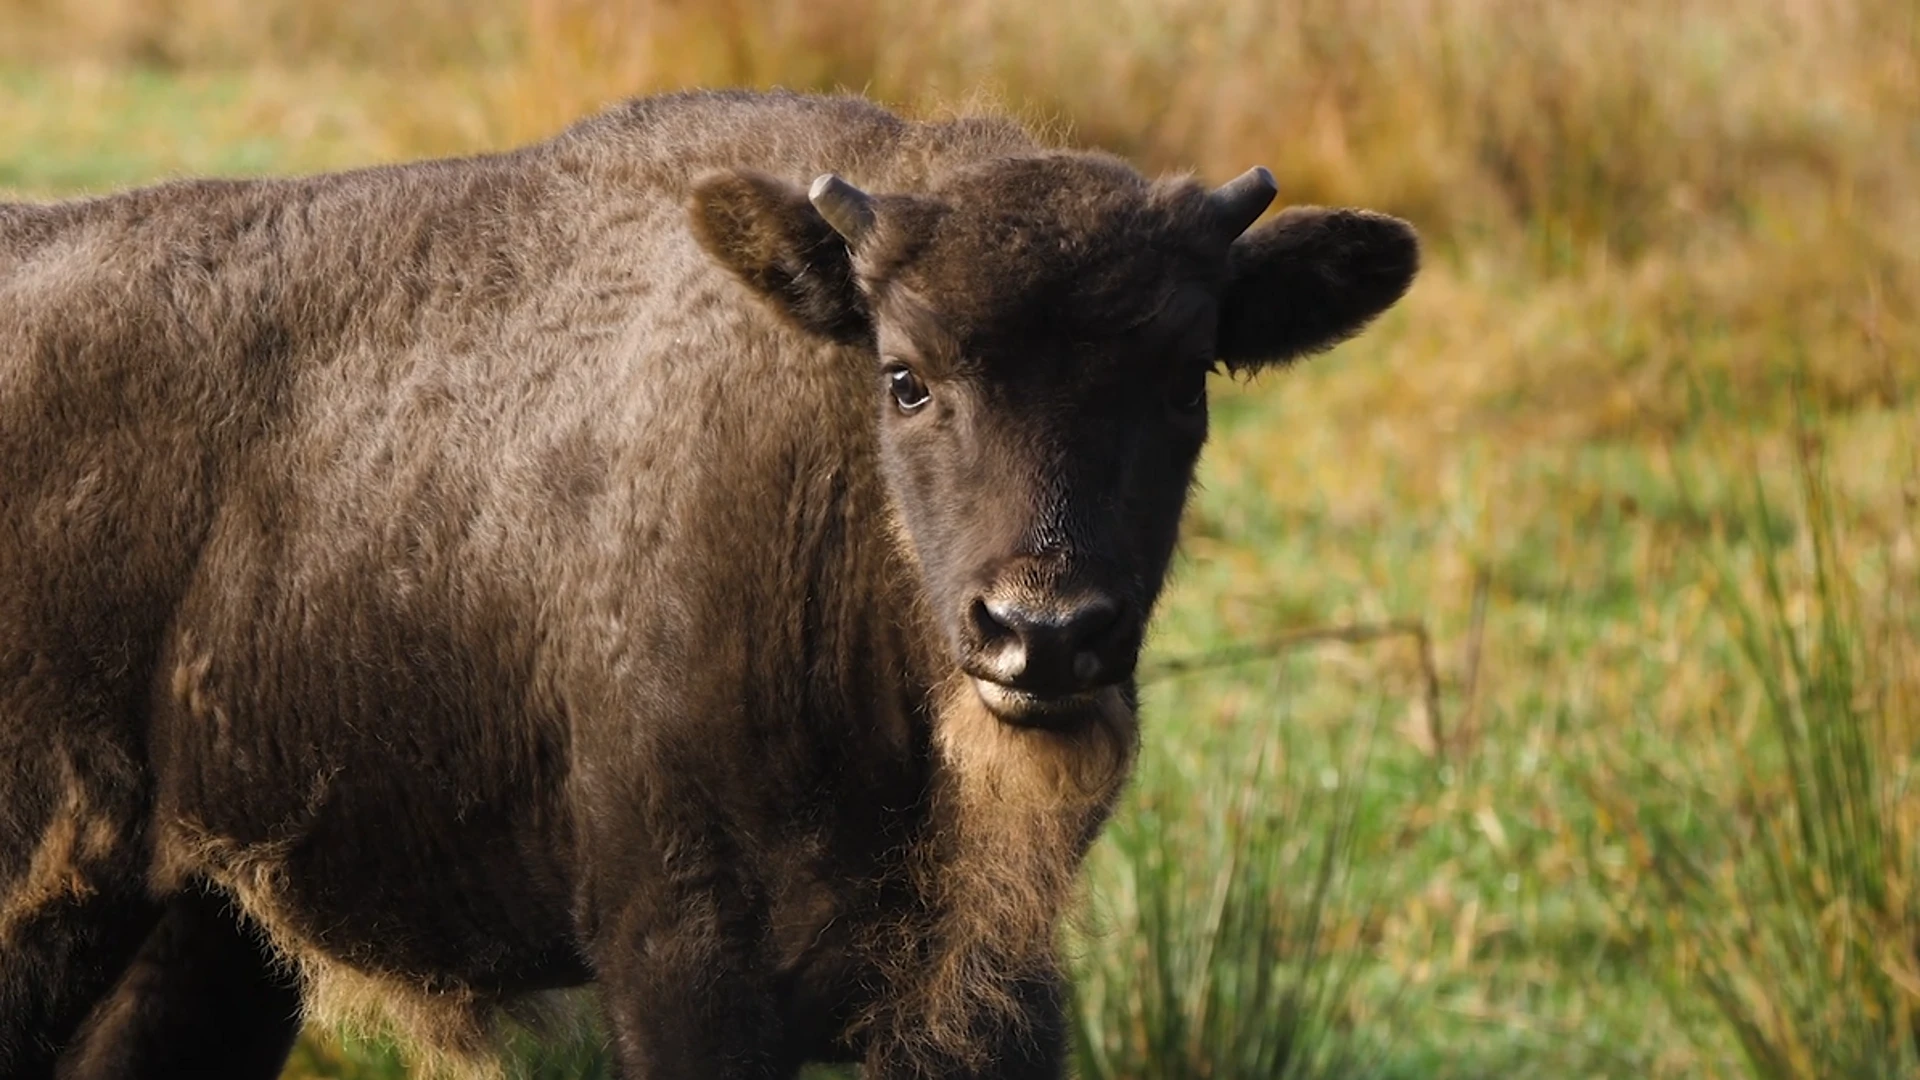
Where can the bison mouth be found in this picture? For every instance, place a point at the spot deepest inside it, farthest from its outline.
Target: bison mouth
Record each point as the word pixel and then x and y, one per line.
pixel 1024 708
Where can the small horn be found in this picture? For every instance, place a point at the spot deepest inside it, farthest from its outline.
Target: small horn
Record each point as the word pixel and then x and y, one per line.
pixel 848 209
pixel 1240 201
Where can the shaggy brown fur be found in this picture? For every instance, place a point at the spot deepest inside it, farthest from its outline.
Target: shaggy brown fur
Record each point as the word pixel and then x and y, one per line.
pixel 586 565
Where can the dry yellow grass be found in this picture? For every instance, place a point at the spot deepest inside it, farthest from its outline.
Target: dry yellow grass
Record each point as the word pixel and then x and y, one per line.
pixel 1699 180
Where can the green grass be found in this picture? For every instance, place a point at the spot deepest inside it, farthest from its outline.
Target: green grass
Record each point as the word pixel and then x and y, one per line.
pixel 1659 515
pixel 1783 884
pixel 1225 931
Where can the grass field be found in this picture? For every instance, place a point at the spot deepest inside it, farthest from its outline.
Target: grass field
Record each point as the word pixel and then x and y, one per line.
pixel 1640 453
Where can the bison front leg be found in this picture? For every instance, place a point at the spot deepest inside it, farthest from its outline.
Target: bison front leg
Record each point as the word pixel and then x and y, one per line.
pixel 202 998
pixel 1033 1044
pixel 685 996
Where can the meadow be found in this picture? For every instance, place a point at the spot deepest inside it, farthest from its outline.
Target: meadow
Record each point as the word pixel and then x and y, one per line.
pixel 1539 690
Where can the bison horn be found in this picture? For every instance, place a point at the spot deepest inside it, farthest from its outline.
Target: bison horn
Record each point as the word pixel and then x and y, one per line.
pixel 1238 202
pixel 845 207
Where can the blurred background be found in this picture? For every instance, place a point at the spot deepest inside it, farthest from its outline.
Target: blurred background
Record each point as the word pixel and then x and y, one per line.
pixel 1539 690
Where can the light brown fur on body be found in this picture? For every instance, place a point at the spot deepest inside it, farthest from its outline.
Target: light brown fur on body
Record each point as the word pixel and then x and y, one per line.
pixel 500 575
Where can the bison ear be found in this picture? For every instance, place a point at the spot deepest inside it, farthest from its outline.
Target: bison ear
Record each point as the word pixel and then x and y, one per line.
pixel 770 236
pixel 1310 279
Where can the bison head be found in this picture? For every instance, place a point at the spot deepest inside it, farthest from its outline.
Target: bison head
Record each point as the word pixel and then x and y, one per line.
pixel 1040 330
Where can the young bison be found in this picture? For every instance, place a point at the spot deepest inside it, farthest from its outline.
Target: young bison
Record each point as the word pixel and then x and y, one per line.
pixel 703 555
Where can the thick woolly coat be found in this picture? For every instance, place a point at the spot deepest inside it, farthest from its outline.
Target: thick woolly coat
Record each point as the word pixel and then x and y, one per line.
pixel 458 568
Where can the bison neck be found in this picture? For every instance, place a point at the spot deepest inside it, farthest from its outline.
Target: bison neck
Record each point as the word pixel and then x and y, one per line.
pixel 1011 814
pixel 900 829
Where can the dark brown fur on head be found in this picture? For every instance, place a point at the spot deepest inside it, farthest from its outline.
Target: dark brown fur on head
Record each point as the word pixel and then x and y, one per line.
pixel 1059 311
pixel 1072 241
pixel 1057 247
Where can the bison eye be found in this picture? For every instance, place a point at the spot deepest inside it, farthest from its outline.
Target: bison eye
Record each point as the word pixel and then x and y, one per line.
pixel 908 391
pixel 1188 391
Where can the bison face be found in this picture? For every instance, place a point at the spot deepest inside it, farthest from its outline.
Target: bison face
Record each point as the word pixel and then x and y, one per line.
pixel 1039 331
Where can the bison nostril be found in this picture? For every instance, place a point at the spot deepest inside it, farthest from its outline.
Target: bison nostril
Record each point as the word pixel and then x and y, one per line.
pixel 1091 619
pixel 1001 640
pixel 1086 667
pixel 992 626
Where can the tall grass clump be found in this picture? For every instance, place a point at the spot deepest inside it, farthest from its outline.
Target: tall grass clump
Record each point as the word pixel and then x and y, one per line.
pixel 1787 894
pixel 1224 942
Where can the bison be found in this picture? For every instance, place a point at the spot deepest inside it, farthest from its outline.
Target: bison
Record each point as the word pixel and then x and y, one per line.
pixel 702 555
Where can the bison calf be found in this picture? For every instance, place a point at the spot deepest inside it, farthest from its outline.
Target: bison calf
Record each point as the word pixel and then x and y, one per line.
pixel 703 555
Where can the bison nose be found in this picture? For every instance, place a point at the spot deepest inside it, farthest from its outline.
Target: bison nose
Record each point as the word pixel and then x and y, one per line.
pixel 1051 649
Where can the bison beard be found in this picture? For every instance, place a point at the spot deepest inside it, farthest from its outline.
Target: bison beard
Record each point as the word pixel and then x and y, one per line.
pixel 700 558
pixel 1016 813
